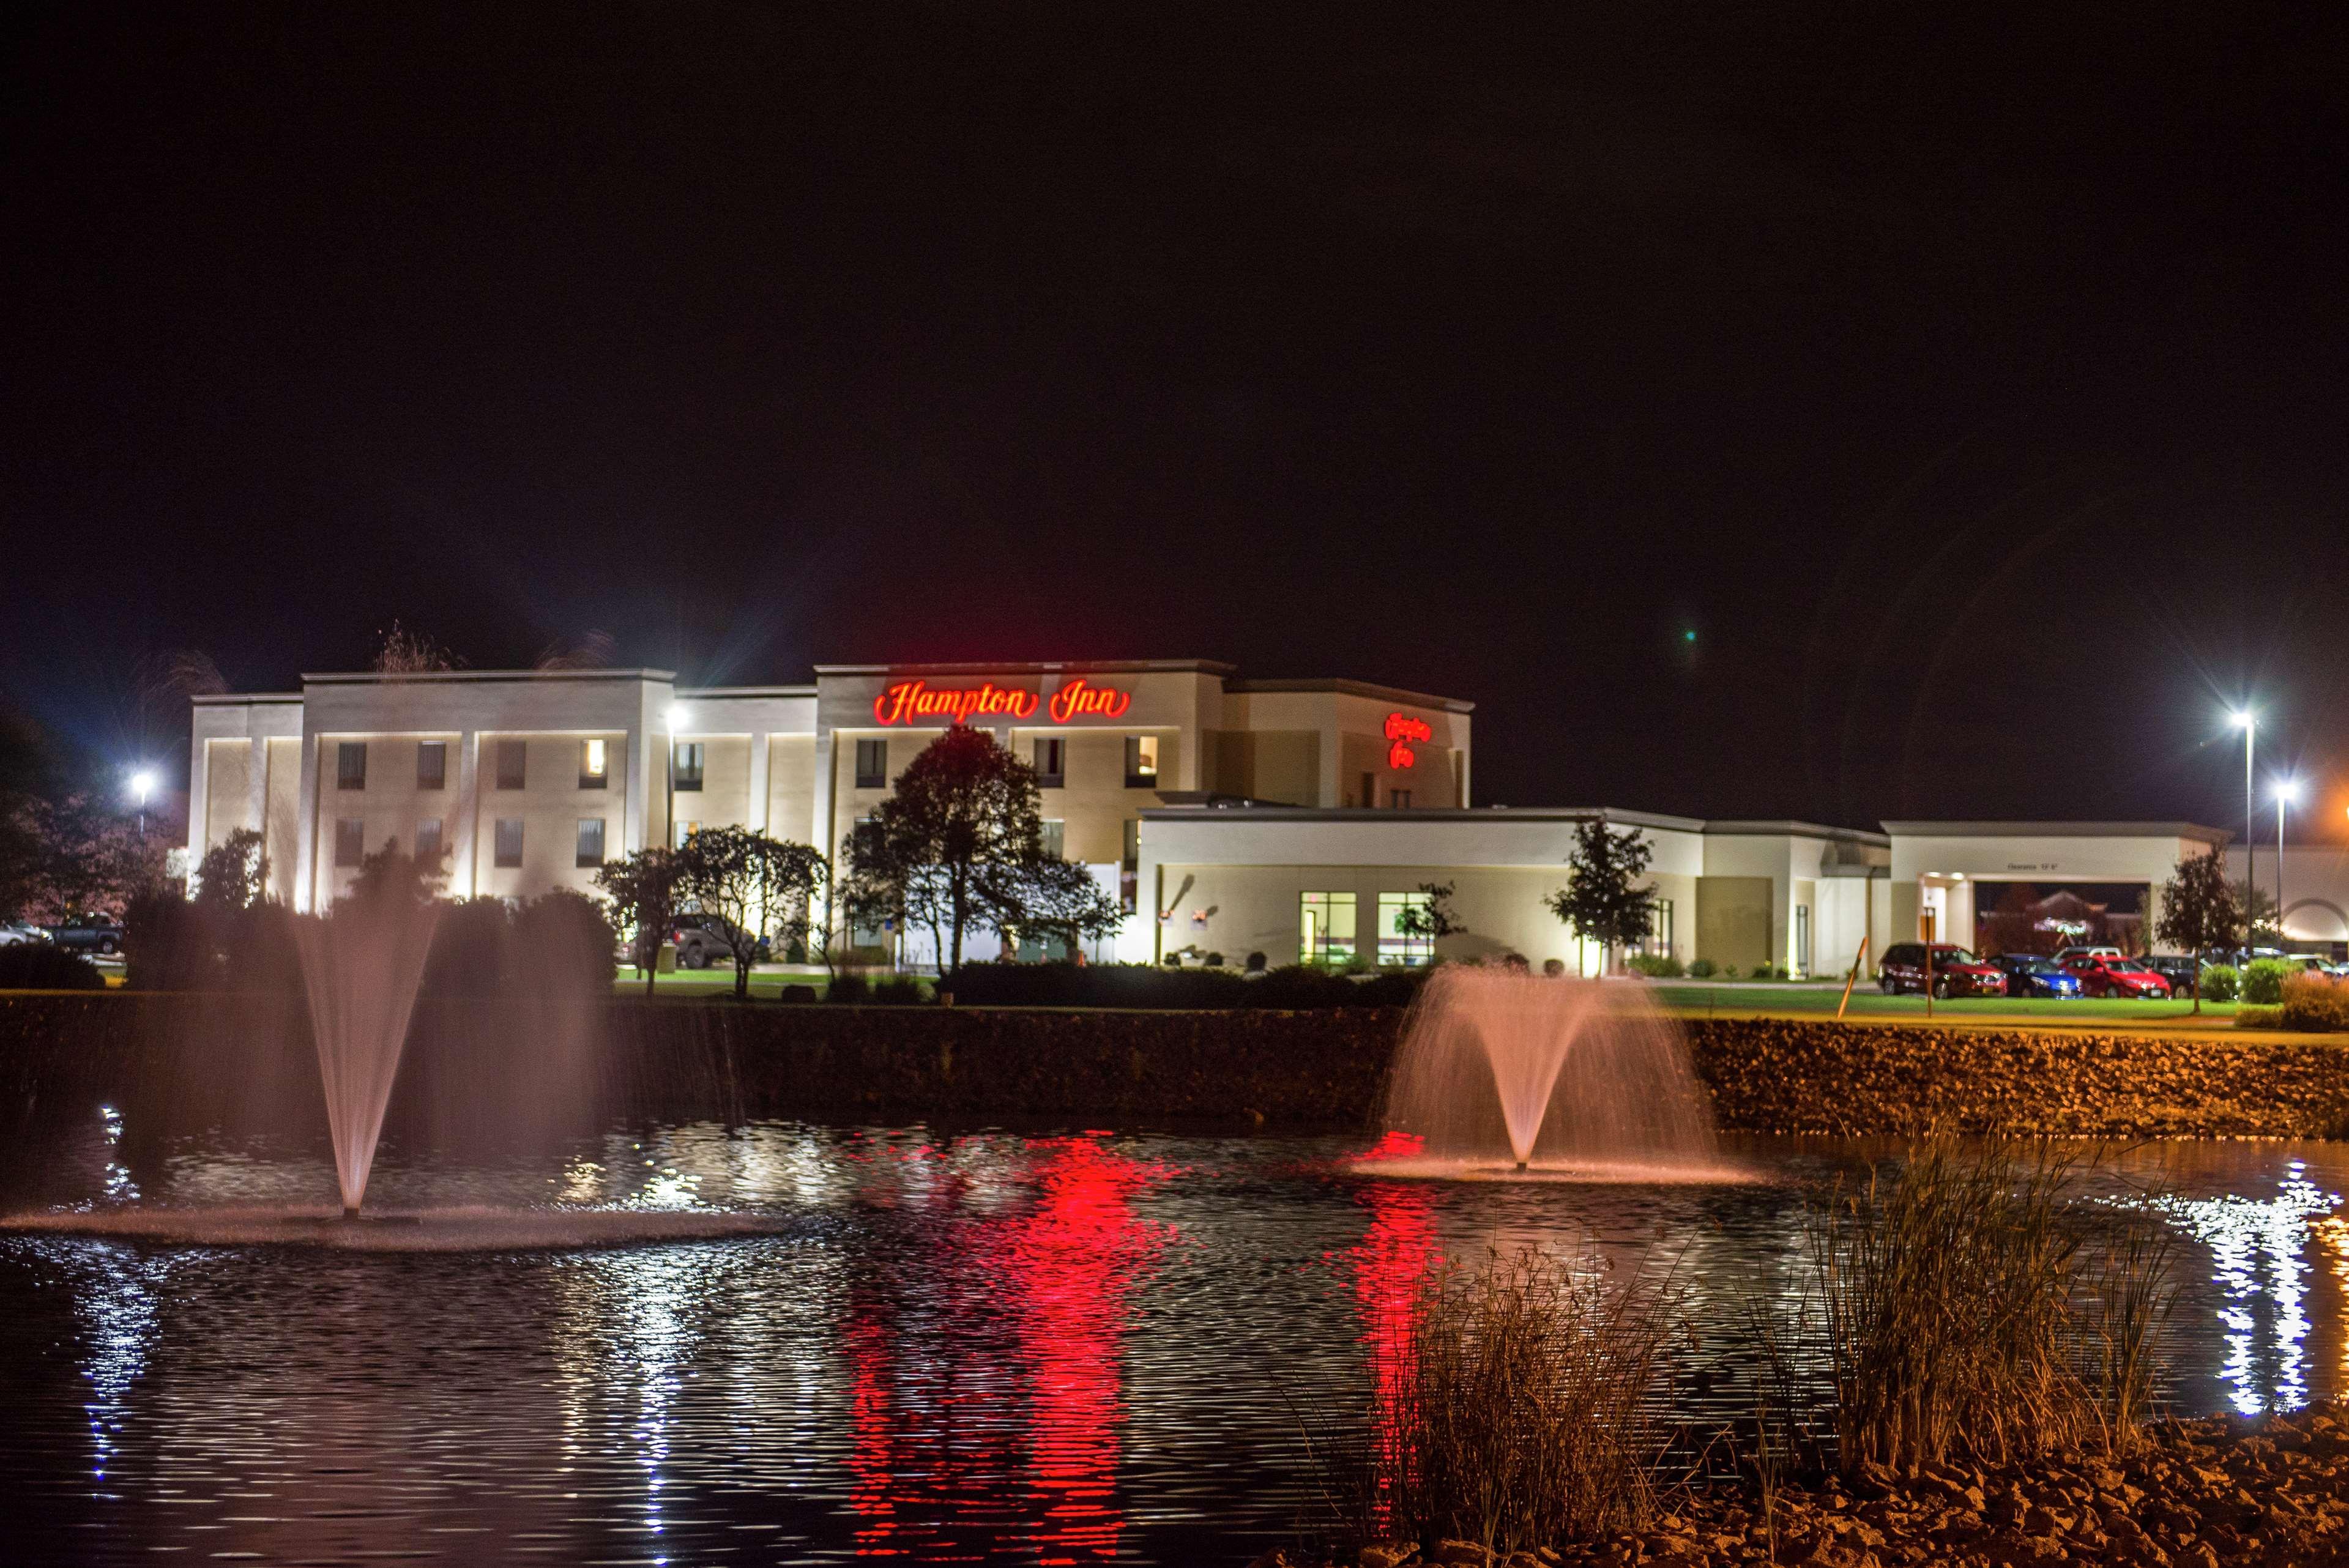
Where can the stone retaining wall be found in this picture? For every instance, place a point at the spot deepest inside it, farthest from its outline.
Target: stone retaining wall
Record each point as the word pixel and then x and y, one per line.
pixel 199 1054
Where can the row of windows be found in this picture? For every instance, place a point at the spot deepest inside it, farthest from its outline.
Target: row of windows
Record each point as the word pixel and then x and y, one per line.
pixel 350 842
pixel 1326 928
pixel 1051 759
pixel 512 765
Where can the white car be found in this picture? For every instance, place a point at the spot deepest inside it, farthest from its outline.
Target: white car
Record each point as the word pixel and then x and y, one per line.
pixel 13 932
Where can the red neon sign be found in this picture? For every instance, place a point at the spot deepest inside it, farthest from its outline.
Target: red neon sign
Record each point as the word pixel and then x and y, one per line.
pixel 1403 730
pixel 1079 700
pixel 911 702
pixel 907 702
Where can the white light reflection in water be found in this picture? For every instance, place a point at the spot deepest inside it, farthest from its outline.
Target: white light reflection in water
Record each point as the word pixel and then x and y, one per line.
pixel 2256 1254
pixel 119 1187
pixel 115 1298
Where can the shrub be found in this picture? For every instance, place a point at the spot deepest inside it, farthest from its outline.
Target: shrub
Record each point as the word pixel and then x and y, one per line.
pixel 1655 965
pixel 2248 1016
pixel 472 955
pixel 1297 986
pixel 37 966
pixel 1256 963
pixel 2264 980
pixel 1704 969
pixel 170 944
pixel 563 941
pixel 2221 982
pixel 2313 1002
pixel 1214 960
pixel 848 987
pixel 1729 972
pixel 898 991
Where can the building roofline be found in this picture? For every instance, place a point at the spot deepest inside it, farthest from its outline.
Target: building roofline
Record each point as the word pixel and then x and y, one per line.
pixel 235 699
pixel 1418 814
pixel 1063 666
pixel 1355 689
pixel 1792 829
pixel 401 677
pixel 696 693
pixel 2061 831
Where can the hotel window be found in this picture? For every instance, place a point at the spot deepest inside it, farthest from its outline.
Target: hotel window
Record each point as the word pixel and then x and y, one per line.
pixel 514 765
pixel 873 765
pixel 1142 762
pixel 1399 799
pixel 428 841
pixel 350 765
pixel 1659 944
pixel 350 841
pixel 591 842
pixel 1369 795
pixel 1325 924
pixel 1394 941
pixel 1802 942
pixel 689 765
pixel 508 841
pixel 1129 865
pixel 432 765
pixel 685 831
pixel 594 765
pixel 1056 838
pixel 1051 762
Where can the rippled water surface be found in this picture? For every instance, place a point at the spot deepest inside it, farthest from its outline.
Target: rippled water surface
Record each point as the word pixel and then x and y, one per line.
pixel 943 1344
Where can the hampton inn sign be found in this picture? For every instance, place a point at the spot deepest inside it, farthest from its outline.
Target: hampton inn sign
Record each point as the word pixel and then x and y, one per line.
pixel 912 701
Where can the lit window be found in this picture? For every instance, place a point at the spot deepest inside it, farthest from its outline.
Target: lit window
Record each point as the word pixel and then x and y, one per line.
pixel 872 765
pixel 591 842
pixel 350 765
pixel 350 841
pixel 685 831
pixel 1325 927
pixel 1395 942
pixel 428 841
pixel 1051 762
pixel 592 764
pixel 514 765
pixel 1055 839
pixel 1142 762
pixel 508 841
pixel 689 765
pixel 432 765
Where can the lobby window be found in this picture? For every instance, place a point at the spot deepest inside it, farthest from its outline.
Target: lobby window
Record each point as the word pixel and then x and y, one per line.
pixel 514 765
pixel 350 841
pixel 1802 942
pixel 1056 839
pixel 432 765
pixel 1369 795
pixel 595 764
pixel 350 765
pixel 689 765
pixel 1142 762
pixel 1659 944
pixel 1395 942
pixel 1325 926
pixel 508 841
pixel 591 842
pixel 1399 799
pixel 1051 762
pixel 1129 865
pixel 428 842
pixel 873 765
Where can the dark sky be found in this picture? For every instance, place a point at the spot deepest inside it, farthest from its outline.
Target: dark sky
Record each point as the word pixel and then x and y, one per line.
pixel 1972 388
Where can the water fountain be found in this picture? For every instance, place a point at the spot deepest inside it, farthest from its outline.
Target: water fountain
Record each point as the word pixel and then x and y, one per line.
pixel 361 968
pixel 1502 1073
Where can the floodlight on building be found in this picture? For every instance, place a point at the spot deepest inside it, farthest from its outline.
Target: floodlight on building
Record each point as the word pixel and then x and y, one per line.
pixel 676 717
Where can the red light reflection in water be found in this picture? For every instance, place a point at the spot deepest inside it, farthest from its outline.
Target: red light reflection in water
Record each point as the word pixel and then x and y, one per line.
pixel 1390 1262
pixel 927 1450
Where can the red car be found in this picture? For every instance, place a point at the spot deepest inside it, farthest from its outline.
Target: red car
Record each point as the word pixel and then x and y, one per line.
pixel 1956 972
pixel 2102 975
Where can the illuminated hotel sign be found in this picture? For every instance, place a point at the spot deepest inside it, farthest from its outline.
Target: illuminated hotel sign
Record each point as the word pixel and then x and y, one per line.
pixel 1401 730
pixel 911 702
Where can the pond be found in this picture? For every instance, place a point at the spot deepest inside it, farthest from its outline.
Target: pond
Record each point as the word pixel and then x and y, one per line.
pixel 1056 1346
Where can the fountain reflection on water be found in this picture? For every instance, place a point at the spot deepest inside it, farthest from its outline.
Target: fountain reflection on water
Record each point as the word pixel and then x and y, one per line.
pixel 1501 1073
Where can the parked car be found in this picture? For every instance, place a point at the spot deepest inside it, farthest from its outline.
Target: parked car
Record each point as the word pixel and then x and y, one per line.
pixel 702 939
pixel 90 933
pixel 2066 955
pixel 2035 974
pixel 1956 972
pixel 2178 968
pixel 2117 976
pixel 13 932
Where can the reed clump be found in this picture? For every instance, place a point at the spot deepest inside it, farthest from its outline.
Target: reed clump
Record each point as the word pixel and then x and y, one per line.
pixel 1525 1412
pixel 1973 1310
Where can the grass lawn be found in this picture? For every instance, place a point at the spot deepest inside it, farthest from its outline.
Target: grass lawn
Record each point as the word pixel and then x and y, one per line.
pixel 716 980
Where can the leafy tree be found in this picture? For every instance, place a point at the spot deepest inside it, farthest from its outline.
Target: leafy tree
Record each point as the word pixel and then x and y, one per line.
pixel 2259 907
pixel 963 814
pixel 2200 910
pixel 643 889
pixel 393 876
pixel 234 872
pixel 754 884
pixel 1049 897
pixel 1434 920
pixel 87 857
pixel 1602 899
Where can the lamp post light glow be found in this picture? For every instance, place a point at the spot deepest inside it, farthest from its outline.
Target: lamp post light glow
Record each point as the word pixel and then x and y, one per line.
pixel 2287 793
pixel 142 784
pixel 676 717
pixel 2246 722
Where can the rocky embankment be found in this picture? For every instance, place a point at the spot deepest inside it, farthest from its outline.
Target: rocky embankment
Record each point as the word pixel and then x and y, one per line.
pixel 2205 1493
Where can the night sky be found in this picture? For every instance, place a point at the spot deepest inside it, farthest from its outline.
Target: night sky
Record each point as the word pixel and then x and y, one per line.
pixel 1973 391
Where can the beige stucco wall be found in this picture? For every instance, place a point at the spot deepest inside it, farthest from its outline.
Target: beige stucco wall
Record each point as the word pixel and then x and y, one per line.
pixel 550 806
pixel 281 838
pixel 790 788
pixel 228 797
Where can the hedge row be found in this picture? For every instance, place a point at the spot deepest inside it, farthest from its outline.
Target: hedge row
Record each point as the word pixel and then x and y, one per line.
pixel 1295 988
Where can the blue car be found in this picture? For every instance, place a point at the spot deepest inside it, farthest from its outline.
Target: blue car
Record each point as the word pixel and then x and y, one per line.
pixel 2035 974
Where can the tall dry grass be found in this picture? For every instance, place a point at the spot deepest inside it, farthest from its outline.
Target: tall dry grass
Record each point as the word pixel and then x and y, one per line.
pixel 1971 1308
pixel 1526 1414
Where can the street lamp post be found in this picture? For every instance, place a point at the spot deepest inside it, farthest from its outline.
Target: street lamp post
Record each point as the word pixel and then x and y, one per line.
pixel 2246 723
pixel 2287 792
pixel 676 717
pixel 142 784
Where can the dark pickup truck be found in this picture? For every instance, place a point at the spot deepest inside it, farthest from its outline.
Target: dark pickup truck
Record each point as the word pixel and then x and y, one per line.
pixel 90 933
